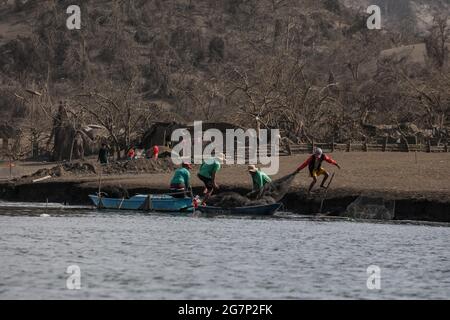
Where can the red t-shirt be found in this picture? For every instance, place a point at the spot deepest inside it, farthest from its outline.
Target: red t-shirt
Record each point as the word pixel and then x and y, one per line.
pixel 155 149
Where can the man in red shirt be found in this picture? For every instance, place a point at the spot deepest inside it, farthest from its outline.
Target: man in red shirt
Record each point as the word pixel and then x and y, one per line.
pixel 314 164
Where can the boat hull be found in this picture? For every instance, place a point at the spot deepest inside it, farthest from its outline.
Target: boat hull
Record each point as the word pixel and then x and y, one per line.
pixel 160 203
pixel 263 210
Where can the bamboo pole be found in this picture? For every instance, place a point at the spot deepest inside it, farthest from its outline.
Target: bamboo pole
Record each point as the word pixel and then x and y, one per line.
pixel 100 181
pixel 10 168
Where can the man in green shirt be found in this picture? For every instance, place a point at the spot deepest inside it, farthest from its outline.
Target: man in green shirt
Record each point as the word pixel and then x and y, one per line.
pixel 207 174
pixel 181 181
pixel 259 178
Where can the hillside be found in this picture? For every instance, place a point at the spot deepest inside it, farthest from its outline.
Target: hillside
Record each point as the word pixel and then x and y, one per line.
pixel 294 65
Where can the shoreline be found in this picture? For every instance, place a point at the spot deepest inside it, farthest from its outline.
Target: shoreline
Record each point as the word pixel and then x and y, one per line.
pixel 418 191
pixel 407 206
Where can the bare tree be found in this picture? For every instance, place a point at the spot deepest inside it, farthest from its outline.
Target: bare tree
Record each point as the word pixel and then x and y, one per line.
pixel 437 41
pixel 120 111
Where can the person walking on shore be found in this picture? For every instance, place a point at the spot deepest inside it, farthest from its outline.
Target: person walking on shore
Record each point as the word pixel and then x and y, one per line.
pixel 208 173
pixel 181 181
pixel 314 164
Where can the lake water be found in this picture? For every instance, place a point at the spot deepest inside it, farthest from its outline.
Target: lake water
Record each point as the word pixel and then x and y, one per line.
pixel 143 256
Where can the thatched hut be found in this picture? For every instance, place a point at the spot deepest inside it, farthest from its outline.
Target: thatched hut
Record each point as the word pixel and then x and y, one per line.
pixel 159 134
pixel 7 134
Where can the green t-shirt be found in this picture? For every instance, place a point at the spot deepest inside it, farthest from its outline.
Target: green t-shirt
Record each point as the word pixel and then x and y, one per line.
pixel 181 176
pixel 260 179
pixel 209 167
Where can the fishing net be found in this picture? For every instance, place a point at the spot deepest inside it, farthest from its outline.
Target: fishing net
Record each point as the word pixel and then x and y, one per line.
pixel 271 193
pixel 278 188
pixel 228 200
pixel 115 192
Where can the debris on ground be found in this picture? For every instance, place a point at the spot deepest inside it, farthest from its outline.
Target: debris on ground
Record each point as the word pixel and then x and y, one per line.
pixel 74 168
pixel 139 166
pixel 86 168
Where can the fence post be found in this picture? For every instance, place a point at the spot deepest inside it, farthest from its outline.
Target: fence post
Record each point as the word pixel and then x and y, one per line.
pixel 385 144
pixel 5 144
pixel 288 147
pixel 406 144
pixel 349 146
pixel 332 145
pixel 429 146
pixel 446 147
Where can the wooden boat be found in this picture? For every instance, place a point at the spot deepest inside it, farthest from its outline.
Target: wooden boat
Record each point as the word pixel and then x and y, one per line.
pixel 142 202
pixel 263 210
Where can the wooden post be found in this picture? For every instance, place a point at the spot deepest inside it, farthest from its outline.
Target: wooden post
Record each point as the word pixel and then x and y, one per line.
pixel 365 148
pixel 385 144
pixel 258 129
pixel 446 147
pixel 10 168
pixel 288 147
pixel 429 146
pixel 349 146
pixel 100 181
pixel 5 144
pixel 406 144
pixel 332 145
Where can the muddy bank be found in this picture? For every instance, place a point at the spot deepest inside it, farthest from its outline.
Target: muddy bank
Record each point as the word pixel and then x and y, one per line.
pixel 405 206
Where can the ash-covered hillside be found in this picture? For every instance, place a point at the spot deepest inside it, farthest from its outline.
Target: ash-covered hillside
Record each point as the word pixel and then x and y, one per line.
pixel 311 68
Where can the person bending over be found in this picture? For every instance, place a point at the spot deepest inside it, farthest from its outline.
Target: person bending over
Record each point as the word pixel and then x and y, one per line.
pixel 259 178
pixel 314 164
pixel 181 181
pixel 208 173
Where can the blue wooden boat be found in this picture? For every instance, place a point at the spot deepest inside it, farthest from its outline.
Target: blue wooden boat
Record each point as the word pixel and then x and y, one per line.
pixel 263 210
pixel 142 202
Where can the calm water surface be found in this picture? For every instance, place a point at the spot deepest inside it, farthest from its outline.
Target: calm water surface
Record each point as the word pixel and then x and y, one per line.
pixel 142 256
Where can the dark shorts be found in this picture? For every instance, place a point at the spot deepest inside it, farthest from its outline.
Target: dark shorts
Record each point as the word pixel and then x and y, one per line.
pixel 207 181
pixel 178 190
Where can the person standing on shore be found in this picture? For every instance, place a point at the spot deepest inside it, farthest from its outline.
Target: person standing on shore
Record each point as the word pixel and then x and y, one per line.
pixel 103 154
pixel 181 181
pixel 314 164
pixel 208 173
pixel 131 154
pixel 155 152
